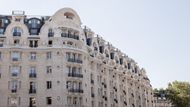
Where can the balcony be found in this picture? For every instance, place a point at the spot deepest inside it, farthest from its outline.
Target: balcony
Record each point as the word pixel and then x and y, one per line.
pixel 70 36
pixel 76 90
pixel 14 74
pixel 75 75
pixel 32 91
pixel 16 33
pixel 15 59
pixel 74 60
pixel 32 75
pixel 51 34
pixel 13 90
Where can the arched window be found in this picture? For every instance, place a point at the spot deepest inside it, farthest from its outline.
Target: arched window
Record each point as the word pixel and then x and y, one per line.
pixel 69 15
pixel 34 25
pixel 17 31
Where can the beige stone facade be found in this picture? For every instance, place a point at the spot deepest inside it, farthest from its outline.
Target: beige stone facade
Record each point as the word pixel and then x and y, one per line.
pixel 52 61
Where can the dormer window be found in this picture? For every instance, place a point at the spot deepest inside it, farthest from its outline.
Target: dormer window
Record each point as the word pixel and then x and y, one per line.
pixel 34 25
pixel 4 22
pixel 69 15
pixel 17 31
pixel 1 43
pixel 1 31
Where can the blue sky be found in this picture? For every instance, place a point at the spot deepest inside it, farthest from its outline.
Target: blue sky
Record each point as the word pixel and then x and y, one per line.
pixel 156 33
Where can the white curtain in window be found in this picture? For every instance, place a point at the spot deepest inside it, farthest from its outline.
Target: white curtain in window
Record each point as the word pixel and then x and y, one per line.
pixel 16 55
pixel 32 70
pixel 74 85
pixel 16 70
pixel 14 84
pixel 13 102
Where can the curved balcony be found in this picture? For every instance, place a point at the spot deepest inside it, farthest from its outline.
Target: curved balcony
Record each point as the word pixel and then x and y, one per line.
pixel 34 25
pixel 75 90
pixel 75 75
pixel 67 35
pixel 74 60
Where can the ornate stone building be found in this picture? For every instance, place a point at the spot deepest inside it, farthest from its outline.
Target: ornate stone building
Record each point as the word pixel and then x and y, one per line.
pixel 52 61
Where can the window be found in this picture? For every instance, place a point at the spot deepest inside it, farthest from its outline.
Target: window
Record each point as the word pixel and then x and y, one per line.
pixel 48 100
pixel 50 33
pixel 69 15
pixel 34 26
pixel 75 100
pixel 33 55
pixel 50 43
pixel 13 101
pixel 69 43
pixel 17 31
pixel 48 55
pixel 32 89
pixel 16 42
pixel 32 102
pixel 69 100
pixel 92 103
pixel 14 85
pixel 32 72
pixel 1 43
pixel 15 71
pixel 49 84
pixel 33 43
pixel 0 55
pixel 34 23
pixel 0 73
pixel 16 56
pixel 69 85
pixel 49 69
pixel 1 31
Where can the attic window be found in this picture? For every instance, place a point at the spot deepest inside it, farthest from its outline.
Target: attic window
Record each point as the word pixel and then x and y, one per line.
pixel 69 15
